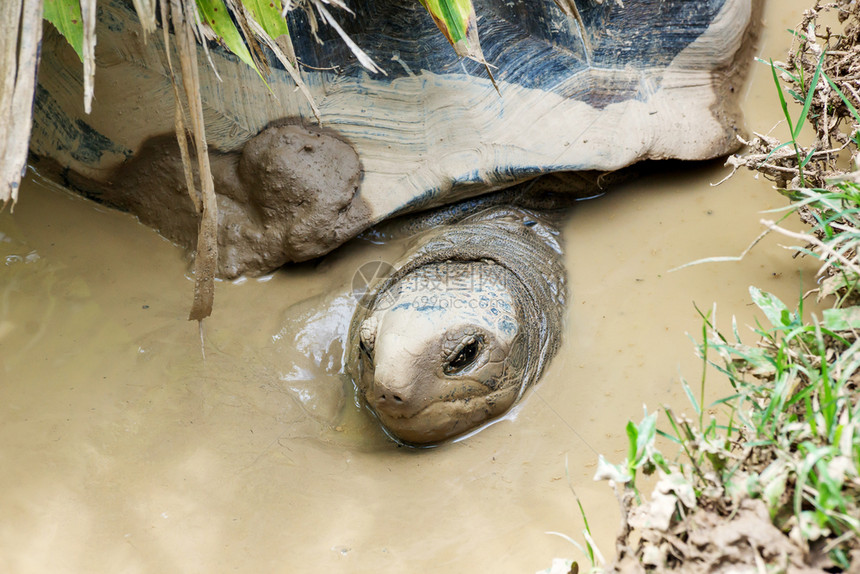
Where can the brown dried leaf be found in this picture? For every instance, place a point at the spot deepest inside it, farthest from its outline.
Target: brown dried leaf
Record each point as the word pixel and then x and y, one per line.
pixel 206 262
pixel 88 15
pixel 19 57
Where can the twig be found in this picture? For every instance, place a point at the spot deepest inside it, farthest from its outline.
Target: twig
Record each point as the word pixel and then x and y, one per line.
pixel 814 241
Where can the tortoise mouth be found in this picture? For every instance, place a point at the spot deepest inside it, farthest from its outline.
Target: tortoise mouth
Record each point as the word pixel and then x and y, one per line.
pixel 442 420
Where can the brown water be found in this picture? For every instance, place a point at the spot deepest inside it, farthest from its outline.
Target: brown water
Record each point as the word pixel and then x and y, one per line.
pixel 124 450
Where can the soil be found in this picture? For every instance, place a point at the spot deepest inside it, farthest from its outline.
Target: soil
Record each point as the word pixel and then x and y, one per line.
pixel 707 540
pixel 290 195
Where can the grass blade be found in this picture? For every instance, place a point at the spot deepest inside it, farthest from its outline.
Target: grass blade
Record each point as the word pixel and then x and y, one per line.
pixel 810 94
pixel 782 101
pixel 845 100
pixel 691 398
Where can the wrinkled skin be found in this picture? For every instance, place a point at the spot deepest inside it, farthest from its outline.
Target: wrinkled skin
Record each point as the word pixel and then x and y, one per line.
pixel 439 353
pixel 462 328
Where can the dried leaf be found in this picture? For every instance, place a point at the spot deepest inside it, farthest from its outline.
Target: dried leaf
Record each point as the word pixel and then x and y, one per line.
pixel 146 13
pixel 179 115
pixel 19 57
pixel 609 471
pixel 286 61
pixel 656 514
pixel 570 9
pixel 206 261
pixel 88 14
pixel 240 16
pixel 363 58
pixel 677 484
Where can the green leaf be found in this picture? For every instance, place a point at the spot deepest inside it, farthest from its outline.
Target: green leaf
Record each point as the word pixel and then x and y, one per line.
pixel 458 22
pixel 607 471
pixel 65 15
pixel 772 494
pixel 667 436
pixel 647 432
pixel 774 309
pixel 215 14
pixel 725 400
pixel 690 397
pixel 660 461
pixel 770 63
pixel 452 17
pixel 640 440
pixel 843 319
pixel 267 13
pixel 587 530
pixel 632 446
pixel 807 158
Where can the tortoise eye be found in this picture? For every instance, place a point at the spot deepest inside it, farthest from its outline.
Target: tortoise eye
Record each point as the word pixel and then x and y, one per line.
pixel 464 355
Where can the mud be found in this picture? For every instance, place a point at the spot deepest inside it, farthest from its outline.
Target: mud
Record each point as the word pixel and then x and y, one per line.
pixel 709 542
pixel 124 450
pixel 290 195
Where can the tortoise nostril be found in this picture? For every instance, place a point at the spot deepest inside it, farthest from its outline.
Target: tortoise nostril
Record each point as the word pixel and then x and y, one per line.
pixel 385 398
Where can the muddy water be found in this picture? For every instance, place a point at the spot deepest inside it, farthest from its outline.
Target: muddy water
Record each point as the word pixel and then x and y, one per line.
pixel 123 449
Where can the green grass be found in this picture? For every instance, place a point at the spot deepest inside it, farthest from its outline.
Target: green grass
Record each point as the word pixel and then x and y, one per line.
pixel 788 433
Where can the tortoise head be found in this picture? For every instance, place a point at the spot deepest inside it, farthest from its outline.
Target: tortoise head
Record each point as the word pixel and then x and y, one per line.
pixel 440 352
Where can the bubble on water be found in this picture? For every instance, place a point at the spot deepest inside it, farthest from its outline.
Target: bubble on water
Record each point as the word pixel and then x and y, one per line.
pixel 31 257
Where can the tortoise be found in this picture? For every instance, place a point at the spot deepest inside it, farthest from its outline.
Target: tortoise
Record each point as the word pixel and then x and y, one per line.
pixel 648 79
pixel 448 337
pixel 626 82
pixel 463 324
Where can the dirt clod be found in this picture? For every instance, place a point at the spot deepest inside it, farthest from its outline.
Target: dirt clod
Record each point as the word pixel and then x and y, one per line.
pixel 290 195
